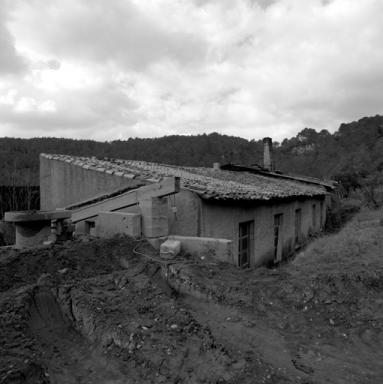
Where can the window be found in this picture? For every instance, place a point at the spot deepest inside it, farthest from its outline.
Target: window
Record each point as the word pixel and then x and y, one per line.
pixel 245 243
pixel 278 222
pixel 298 225
pixel 314 216
pixel 89 226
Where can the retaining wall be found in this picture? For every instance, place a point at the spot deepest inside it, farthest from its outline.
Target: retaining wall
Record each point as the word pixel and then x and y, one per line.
pixel 62 183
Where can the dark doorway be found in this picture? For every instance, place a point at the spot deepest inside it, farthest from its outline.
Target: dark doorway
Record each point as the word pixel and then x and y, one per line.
pixel 314 209
pixel 298 226
pixel 245 243
pixel 278 242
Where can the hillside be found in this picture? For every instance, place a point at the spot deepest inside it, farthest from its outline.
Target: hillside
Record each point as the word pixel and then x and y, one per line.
pixel 353 154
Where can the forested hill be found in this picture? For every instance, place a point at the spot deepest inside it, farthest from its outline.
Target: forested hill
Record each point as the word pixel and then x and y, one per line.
pixel 352 153
pixel 19 158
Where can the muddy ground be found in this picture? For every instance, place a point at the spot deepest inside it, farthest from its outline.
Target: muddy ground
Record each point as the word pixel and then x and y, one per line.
pixel 107 311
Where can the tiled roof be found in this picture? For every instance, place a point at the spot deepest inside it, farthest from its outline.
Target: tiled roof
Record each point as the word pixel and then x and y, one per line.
pixel 330 184
pixel 209 183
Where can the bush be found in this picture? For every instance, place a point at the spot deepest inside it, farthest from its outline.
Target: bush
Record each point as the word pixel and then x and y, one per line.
pixel 341 211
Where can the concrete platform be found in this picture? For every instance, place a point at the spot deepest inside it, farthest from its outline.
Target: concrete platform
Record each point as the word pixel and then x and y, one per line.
pixel 34 228
pixel 26 216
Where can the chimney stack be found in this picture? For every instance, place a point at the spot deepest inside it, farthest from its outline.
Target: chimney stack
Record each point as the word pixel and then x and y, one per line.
pixel 268 154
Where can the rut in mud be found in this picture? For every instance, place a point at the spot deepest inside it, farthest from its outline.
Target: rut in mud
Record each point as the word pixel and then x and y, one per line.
pixel 69 357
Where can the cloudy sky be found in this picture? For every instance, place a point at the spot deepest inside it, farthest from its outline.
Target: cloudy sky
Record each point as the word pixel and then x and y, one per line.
pixel 116 69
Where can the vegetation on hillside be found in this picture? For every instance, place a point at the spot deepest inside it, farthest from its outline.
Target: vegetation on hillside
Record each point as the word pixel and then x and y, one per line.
pixel 352 155
pixel 357 246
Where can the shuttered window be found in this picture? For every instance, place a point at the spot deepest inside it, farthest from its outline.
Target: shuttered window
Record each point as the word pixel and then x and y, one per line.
pixel 245 243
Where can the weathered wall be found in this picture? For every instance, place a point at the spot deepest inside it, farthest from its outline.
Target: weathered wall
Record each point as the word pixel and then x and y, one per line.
pixel 223 221
pixel 62 183
pixel 186 219
pixel 109 224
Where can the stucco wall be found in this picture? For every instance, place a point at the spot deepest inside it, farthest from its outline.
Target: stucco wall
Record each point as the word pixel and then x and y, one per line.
pixel 62 183
pixel 223 221
pixel 186 219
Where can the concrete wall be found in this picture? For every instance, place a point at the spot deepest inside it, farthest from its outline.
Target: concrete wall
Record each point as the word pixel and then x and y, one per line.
pixel 217 249
pixel 186 219
pixel 109 224
pixel 62 183
pixel 222 221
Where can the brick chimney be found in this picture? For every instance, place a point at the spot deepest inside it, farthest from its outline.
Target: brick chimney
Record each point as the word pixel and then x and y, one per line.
pixel 268 154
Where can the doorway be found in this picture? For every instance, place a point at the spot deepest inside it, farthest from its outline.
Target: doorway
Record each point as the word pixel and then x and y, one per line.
pixel 278 241
pixel 298 226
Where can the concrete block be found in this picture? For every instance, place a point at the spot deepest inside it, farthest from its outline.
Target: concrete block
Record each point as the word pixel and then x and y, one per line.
pixel 109 224
pixel 156 242
pixel 154 213
pixel 84 227
pixel 170 249
pixel 218 249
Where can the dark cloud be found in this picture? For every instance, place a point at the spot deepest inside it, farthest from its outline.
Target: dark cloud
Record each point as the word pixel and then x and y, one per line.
pixel 10 60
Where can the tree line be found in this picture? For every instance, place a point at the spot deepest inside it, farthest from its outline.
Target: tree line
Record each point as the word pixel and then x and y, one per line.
pixel 353 154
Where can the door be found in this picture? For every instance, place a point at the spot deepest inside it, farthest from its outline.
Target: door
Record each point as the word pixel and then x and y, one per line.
pixel 298 226
pixel 278 241
pixel 245 243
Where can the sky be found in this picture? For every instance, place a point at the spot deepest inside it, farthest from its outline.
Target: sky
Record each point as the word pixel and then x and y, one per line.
pixel 109 70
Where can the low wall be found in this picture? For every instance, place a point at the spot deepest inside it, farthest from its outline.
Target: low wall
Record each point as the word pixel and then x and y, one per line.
pixel 218 249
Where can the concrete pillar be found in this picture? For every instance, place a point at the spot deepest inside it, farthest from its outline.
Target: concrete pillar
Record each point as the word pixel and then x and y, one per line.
pixel 32 233
pixel 154 217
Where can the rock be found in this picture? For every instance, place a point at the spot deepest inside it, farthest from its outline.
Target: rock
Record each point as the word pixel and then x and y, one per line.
pixel 46 279
pixel 239 364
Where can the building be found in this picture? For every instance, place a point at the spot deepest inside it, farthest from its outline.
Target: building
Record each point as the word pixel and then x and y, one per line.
pixel 265 214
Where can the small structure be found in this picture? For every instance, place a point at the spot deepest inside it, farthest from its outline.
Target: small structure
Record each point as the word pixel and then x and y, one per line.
pixel 35 228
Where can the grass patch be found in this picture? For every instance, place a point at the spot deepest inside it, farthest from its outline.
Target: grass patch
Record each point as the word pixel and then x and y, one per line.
pixel 358 245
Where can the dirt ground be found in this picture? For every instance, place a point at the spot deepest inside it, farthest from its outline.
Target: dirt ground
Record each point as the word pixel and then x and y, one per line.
pixel 99 311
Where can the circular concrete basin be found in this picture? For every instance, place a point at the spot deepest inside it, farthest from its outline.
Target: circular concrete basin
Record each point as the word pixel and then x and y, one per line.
pixel 34 227
pixel 25 216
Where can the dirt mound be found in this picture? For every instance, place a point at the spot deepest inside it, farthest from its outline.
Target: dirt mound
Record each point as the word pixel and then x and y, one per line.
pixel 72 260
